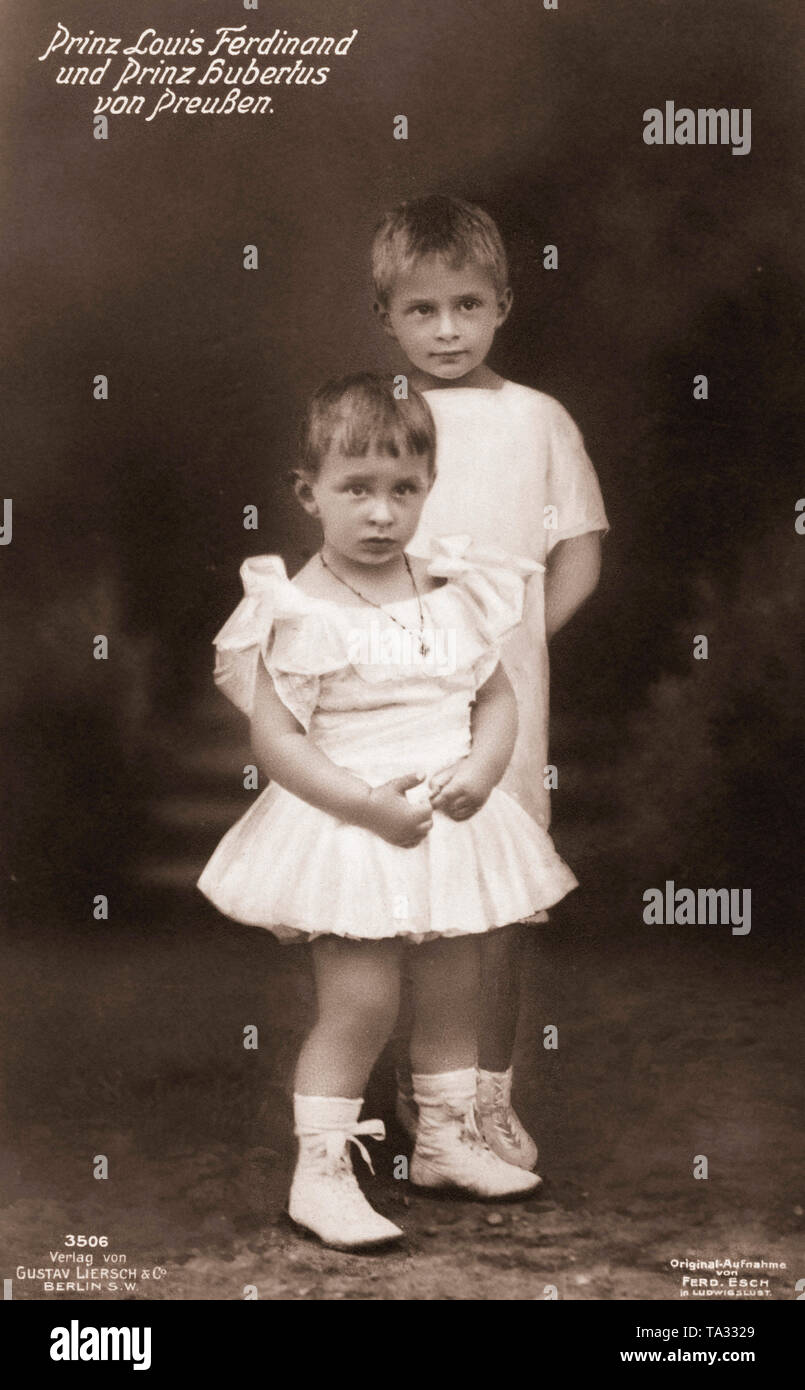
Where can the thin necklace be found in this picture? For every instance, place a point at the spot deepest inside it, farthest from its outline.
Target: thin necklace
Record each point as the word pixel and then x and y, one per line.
pixel 423 646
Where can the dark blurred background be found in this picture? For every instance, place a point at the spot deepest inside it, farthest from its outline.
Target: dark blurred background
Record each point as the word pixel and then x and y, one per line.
pixel 124 258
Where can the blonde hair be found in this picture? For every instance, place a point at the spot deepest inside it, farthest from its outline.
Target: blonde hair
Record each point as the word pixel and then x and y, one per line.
pixel 438 225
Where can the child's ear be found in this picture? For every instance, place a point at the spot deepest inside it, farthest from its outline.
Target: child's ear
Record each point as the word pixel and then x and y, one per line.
pixel 382 316
pixel 304 492
pixel 504 305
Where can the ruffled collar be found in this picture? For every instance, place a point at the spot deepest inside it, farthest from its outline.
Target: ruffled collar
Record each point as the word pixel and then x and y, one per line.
pixel 453 558
pixel 303 637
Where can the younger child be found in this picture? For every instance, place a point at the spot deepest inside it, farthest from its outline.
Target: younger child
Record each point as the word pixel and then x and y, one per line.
pixel 512 471
pixel 368 672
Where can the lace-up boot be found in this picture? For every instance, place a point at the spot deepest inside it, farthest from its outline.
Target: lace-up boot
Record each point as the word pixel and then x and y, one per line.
pixel 498 1122
pixel 325 1197
pixel 450 1151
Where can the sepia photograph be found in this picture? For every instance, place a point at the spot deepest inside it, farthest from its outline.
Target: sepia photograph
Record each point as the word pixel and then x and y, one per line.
pixel 402 558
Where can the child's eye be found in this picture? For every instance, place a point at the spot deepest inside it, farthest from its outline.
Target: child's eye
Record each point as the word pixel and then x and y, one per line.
pixel 357 489
pixel 407 487
pixel 470 303
pixel 422 309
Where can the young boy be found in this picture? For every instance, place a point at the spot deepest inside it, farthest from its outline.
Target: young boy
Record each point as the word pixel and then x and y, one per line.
pixel 512 471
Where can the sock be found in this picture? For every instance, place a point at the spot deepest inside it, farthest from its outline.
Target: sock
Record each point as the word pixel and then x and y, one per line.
pixel 316 1113
pixel 445 1085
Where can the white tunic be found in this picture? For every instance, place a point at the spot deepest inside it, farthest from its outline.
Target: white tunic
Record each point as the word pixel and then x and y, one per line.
pixel 503 458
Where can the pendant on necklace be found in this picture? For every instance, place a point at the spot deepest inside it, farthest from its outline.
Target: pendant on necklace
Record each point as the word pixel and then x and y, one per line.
pixel 424 648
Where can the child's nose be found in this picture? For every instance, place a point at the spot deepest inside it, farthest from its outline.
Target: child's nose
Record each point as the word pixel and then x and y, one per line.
pixel 447 327
pixel 381 509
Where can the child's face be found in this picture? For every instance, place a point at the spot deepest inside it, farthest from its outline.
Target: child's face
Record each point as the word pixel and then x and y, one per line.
pixel 444 319
pixel 369 507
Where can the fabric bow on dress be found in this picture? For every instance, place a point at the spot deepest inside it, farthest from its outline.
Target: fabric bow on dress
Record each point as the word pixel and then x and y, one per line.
pixel 455 555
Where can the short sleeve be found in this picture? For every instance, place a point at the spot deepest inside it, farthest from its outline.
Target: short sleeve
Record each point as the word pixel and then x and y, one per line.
pixel 299 694
pixel 572 485
pixel 279 625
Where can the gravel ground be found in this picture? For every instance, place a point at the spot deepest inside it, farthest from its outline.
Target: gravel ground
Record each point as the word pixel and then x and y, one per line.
pixel 670 1046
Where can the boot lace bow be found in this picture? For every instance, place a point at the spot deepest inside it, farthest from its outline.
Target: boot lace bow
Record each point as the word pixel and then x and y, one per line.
pixel 337 1139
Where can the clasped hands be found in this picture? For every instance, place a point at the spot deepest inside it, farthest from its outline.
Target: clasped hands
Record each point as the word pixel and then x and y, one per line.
pixel 458 790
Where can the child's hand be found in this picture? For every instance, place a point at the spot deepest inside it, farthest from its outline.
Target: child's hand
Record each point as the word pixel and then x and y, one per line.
pixel 461 789
pixel 392 816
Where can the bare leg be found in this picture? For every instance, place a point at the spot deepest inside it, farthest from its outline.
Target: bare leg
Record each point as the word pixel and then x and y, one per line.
pixel 446 978
pixel 501 956
pixel 357 993
pixel 400 1042
pixel 449 1150
pixel 500 995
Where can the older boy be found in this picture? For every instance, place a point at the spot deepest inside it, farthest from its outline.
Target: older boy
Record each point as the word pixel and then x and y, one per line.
pixel 512 471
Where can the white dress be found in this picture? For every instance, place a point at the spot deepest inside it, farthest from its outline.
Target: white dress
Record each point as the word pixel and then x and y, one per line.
pixel 358 684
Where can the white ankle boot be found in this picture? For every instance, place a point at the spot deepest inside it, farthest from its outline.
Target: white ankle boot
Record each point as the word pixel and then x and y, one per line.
pixel 450 1150
pixel 499 1124
pixel 325 1197
pixel 405 1105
